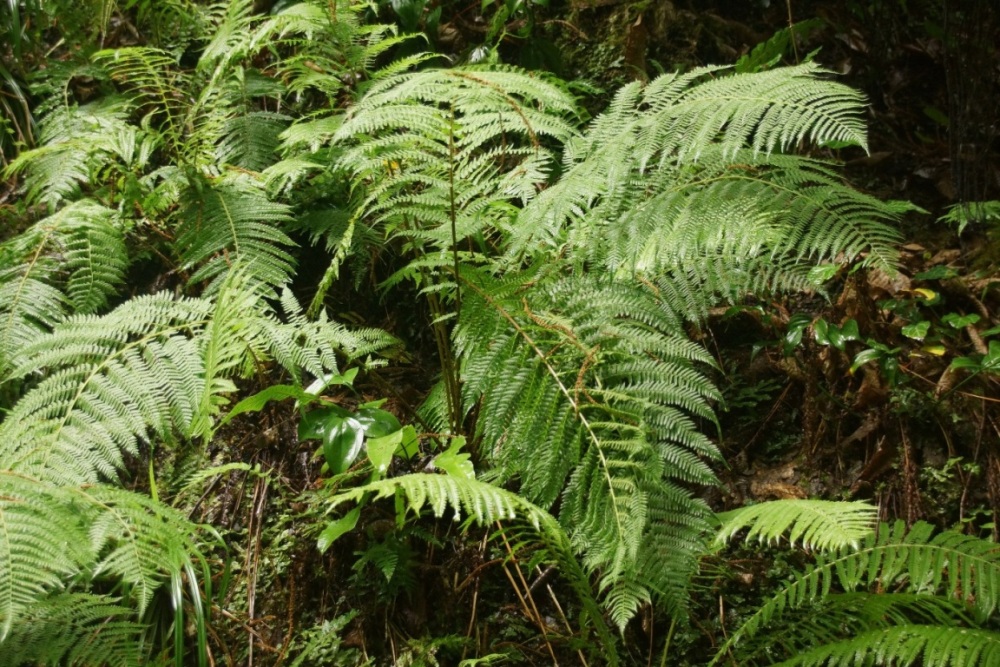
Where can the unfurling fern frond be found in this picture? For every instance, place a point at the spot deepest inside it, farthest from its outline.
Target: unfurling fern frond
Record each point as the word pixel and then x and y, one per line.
pixel 485 505
pixel 913 577
pixel 80 249
pixel 584 385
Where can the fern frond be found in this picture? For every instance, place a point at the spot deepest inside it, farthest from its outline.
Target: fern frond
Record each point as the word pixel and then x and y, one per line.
pixel 584 385
pixel 485 504
pixel 39 547
pixel 447 148
pixel 816 524
pixel 651 180
pixel 927 645
pixel 916 561
pixel 770 111
pixel 80 249
pixel 251 140
pixel 231 221
pixel 151 75
pixel 75 144
pixel 75 629
pixel 110 378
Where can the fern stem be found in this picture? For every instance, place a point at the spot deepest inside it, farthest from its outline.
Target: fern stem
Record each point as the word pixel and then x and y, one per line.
pixel 527 595
pixel 666 645
pixel 452 213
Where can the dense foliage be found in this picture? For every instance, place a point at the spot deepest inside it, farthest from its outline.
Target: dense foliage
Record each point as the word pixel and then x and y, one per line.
pixel 183 194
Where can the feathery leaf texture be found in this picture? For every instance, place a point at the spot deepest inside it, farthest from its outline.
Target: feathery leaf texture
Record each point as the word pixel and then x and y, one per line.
pixel 232 221
pixel 927 645
pixel 156 367
pixel 587 393
pixel 80 248
pixel 683 180
pixel 823 525
pixel 445 150
pixel 923 594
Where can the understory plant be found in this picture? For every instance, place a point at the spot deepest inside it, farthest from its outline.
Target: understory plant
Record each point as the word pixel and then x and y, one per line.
pixel 565 268
pixel 562 292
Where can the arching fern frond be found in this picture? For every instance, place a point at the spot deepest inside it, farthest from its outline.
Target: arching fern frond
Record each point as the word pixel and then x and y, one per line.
pixel 109 380
pixel 665 166
pixel 485 505
pixel 823 525
pixel 75 629
pixel 926 645
pixel 959 569
pixel 770 111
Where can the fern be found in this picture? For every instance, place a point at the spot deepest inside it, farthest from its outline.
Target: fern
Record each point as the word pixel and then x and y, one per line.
pixel 928 645
pixel 485 504
pixel 585 386
pixel 76 629
pixel 817 524
pixel 77 144
pixel 230 221
pixel 681 182
pixel 448 148
pixel 949 579
pixel 81 248
pixel 154 368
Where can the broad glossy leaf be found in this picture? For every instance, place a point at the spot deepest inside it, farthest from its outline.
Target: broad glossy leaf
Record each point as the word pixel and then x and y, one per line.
pixel 917 330
pixel 382 449
pixel 315 423
pixel 342 444
pixel 378 423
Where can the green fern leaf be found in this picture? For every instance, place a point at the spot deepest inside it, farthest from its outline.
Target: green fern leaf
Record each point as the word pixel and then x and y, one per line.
pixel 816 524
pixel 231 221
